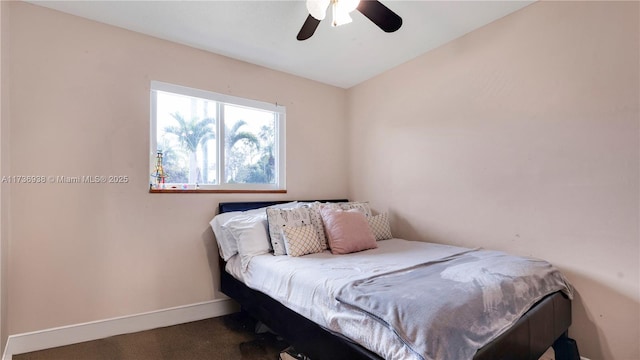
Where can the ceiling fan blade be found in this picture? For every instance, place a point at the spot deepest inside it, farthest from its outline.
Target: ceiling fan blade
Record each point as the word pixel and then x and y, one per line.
pixel 380 15
pixel 308 28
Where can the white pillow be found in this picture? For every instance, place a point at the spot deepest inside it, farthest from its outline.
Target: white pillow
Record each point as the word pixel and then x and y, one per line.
pixel 250 233
pixel 227 245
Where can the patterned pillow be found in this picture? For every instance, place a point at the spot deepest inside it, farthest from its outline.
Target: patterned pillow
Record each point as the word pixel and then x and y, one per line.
pixel 316 221
pixel 363 207
pixel 279 218
pixel 380 227
pixel 301 240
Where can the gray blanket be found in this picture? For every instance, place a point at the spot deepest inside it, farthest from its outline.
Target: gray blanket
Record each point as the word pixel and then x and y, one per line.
pixel 450 308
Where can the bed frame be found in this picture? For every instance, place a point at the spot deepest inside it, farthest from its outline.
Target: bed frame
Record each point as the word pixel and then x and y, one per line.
pixel 545 324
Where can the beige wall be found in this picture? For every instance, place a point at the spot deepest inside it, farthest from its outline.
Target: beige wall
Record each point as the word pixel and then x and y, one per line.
pixel 80 106
pixel 4 166
pixel 521 136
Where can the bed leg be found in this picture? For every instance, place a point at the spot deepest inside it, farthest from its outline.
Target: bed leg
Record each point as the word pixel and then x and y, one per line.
pixel 566 348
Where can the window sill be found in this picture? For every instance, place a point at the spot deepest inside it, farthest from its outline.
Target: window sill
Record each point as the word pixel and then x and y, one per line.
pixel 209 191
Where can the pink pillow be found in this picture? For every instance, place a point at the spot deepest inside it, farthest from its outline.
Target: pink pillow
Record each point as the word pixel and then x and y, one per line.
pixel 347 231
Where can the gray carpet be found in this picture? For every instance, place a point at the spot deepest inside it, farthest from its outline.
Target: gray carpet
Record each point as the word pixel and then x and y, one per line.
pixel 228 337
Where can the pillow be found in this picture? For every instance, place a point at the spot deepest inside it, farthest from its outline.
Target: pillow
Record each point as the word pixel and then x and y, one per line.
pixel 301 240
pixel 279 218
pixel 316 221
pixel 227 246
pixel 380 227
pixel 347 231
pixel 316 218
pixel 250 233
pixel 361 206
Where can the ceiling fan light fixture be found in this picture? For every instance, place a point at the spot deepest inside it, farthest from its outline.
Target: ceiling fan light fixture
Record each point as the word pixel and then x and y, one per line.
pixel 340 16
pixel 349 5
pixel 374 10
pixel 318 8
pixel 341 10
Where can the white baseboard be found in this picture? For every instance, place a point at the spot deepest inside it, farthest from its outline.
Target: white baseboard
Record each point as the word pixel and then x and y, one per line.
pixel 73 334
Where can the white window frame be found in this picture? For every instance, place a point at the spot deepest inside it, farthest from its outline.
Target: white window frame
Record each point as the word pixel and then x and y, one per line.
pixel 279 136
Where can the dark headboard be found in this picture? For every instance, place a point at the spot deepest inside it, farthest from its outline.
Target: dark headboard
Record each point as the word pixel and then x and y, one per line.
pixel 224 207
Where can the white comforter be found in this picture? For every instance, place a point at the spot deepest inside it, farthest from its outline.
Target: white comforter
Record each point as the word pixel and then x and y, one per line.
pixel 308 285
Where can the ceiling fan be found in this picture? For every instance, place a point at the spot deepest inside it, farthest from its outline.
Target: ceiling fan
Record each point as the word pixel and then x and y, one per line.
pixel 374 10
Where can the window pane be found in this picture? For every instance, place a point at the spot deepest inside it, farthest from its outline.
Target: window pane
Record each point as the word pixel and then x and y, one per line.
pixel 187 137
pixel 250 146
pixel 217 141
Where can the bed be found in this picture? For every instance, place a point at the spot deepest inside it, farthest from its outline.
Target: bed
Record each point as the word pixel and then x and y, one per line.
pixel 544 325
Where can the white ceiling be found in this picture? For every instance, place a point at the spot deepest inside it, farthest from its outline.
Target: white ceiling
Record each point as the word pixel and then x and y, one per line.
pixel 264 32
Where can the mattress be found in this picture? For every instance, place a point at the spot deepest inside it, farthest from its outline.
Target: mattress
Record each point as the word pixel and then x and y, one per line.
pixel 308 285
pixel 234 267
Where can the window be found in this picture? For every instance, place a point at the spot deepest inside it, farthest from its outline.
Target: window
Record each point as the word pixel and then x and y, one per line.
pixel 212 141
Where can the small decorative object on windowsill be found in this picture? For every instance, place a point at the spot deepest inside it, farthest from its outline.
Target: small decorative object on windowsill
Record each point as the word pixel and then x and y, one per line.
pixel 159 175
